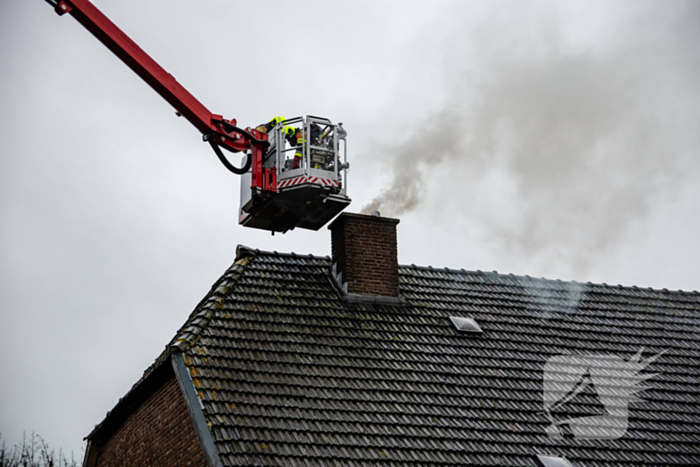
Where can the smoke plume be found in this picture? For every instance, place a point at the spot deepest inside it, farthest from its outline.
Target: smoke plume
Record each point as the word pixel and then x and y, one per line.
pixel 578 141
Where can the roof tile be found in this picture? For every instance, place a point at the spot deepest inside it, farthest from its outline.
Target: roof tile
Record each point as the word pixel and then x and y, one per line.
pixel 291 374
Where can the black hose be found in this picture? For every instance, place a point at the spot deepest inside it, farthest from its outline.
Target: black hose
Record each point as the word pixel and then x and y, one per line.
pixel 53 3
pixel 227 164
pixel 231 128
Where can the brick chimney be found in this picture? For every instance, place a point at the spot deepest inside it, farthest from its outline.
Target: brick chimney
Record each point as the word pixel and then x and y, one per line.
pixel 365 259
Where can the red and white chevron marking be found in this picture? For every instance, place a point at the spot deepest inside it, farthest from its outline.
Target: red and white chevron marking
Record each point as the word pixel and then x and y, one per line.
pixel 307 179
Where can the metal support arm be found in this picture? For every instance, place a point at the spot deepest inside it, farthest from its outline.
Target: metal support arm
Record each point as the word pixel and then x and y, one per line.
pixel 220 132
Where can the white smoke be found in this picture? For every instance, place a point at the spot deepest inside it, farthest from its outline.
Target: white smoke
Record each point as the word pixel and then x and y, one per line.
pixel 587 138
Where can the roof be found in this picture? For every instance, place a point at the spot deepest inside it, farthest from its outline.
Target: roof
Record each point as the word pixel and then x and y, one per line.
pixel 291 373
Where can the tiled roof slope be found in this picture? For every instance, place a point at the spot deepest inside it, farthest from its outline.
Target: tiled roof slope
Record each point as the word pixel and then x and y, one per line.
pixel 291 375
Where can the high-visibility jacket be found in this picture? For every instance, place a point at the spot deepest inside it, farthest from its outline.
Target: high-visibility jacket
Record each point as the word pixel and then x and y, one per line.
pixel 295 136
pixel 301 142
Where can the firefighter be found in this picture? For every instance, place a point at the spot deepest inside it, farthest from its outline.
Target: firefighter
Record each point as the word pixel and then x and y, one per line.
pixel 266 127
pixel 295 137
pixel 315 137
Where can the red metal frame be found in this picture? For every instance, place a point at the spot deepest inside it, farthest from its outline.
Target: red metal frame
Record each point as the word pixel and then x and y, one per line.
pixel 270 179
pixel 165 84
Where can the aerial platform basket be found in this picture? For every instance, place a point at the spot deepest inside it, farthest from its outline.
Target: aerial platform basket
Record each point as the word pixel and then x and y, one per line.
pixel 282 191
pixel 279 191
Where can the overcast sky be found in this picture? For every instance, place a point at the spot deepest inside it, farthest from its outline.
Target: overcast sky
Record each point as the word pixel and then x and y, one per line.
pixel 555 139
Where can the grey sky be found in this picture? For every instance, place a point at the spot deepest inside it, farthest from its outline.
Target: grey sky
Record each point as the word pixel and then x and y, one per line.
pixel 552 139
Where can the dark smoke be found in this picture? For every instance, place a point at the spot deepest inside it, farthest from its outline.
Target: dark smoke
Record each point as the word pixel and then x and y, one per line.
pixel 583 141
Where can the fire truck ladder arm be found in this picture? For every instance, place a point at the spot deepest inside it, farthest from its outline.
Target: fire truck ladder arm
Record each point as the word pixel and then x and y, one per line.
pixel 216 130
pixel 212 138
pixel 234 129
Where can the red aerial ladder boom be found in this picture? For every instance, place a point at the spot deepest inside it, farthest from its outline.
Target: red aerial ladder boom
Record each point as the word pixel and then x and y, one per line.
pixel 220 131
pixel 306 198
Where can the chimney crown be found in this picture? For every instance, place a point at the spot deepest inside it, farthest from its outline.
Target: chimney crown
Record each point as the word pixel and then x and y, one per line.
pixel 365 254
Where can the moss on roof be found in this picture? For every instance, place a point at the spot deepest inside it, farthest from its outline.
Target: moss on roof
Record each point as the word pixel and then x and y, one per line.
pixel 290 373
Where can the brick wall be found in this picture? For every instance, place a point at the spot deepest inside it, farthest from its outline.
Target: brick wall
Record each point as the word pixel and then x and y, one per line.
pixel 365 252
pixel 158 433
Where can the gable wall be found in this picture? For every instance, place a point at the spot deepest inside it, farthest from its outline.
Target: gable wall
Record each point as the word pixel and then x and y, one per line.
pixel 158 433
